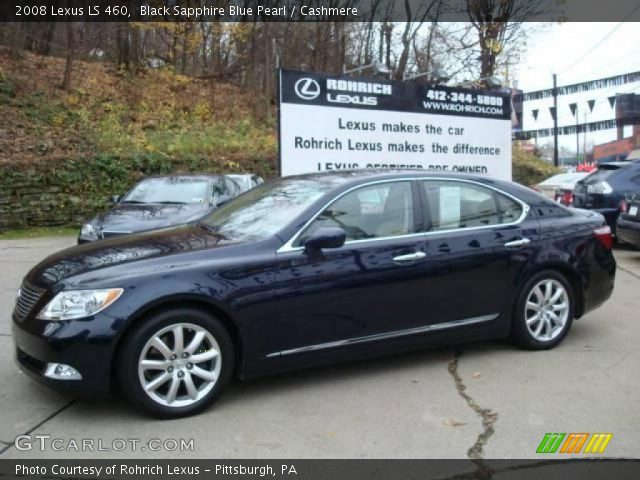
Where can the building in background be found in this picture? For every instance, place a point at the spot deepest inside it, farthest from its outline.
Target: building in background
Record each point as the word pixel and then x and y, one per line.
pixel 628 111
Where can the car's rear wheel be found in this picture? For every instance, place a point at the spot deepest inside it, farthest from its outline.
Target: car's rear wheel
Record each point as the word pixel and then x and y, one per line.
pixel 176 363
pixel 544 311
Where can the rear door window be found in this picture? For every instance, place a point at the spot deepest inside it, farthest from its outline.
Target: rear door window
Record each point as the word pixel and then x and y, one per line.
pixel 455 205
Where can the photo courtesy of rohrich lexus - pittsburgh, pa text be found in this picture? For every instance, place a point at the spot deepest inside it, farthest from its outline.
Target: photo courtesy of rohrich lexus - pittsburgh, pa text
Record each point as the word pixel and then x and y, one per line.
pixel 319 240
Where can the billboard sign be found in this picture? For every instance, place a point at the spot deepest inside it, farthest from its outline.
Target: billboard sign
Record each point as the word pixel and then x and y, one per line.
pixel 334 122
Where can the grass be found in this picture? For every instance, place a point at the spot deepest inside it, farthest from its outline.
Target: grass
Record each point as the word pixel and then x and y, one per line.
pixel 109 112
pixel 39 232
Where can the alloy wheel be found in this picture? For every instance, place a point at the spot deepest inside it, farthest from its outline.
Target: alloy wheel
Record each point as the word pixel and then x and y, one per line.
pixel 179 365
pixel 546 310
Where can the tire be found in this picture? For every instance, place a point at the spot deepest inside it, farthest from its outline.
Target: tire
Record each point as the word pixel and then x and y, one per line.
pixel 551 321
pixel 179 381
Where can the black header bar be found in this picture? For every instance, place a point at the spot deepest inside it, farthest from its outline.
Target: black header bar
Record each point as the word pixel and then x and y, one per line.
pixel 160 469
pixel 306 11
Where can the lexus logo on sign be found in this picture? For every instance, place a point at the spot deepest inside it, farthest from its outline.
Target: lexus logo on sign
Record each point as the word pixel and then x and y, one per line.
pixel 307 88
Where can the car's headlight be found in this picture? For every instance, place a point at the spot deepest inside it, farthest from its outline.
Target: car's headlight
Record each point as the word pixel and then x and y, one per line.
pixel 79 303
pixel 88 232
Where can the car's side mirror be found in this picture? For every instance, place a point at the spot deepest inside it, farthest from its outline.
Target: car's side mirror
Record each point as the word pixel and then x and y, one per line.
pixel 325 237
pixel 115 199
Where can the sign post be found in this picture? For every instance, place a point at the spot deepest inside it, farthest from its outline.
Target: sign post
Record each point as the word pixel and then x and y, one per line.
pixel 333 122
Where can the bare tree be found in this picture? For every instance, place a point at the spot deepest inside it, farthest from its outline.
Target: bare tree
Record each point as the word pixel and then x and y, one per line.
pixel 498 23
pixel 413 22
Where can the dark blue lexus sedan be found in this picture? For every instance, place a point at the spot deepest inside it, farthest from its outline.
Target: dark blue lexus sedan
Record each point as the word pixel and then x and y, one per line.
pixel 309 270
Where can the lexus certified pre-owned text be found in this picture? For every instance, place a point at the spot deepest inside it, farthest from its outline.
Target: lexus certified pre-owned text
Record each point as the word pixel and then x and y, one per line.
pixel 309 270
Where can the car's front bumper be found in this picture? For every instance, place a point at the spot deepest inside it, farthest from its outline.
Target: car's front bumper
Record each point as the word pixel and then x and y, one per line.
pixel 74 343
pixel 629 231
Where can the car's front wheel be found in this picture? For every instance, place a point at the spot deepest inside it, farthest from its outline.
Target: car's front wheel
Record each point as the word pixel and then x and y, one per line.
pixel 544 311
pixel 176 363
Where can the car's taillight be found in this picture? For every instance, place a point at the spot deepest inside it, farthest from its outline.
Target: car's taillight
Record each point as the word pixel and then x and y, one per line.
pixel 567 198
pixel 624 206
pixel 603 234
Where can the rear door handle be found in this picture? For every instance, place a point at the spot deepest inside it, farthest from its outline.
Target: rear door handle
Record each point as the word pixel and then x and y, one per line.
pixel 517 243
pixel 410 257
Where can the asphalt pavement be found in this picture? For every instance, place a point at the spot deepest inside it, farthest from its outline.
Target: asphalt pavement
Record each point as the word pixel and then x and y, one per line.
pixel 487 400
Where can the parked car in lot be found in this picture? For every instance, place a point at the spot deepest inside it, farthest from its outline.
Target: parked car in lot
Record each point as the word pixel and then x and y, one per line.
pixel 629 220
pixel 560 187
pixel 309 270
pixel 551 185
pixel 246 181
pixel 604 190
pixel 158 202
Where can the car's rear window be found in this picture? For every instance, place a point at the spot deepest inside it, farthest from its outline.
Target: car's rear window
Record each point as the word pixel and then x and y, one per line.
pixel 603 172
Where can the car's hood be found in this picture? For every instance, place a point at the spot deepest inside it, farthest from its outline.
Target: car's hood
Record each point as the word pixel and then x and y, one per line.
pixel 128 217
pixel 124 249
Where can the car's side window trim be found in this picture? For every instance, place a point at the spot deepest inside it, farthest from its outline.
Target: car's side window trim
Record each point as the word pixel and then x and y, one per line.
pixel 494 195
pixel 289 245
pixel 418 208
pixel 412 196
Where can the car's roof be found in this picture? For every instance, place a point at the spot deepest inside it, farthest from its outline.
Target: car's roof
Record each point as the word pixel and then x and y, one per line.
pixel 564 177
pixel 239 175
pixel 194 176
pixel 357 176
pixel 346 179
pixel 618 164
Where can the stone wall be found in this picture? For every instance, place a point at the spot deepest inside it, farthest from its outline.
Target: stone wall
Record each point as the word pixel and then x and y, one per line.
pixel 43 205
pixel 70 191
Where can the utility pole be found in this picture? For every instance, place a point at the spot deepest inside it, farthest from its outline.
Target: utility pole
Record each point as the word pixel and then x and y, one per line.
pixel 577 136
pixel 555 120
pixel 584 137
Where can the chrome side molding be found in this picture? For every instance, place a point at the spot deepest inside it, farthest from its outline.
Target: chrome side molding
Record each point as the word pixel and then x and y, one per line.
pixel 388 335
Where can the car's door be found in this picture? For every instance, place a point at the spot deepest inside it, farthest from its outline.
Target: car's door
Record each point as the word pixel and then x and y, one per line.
pixel 373 284
pixel 477 242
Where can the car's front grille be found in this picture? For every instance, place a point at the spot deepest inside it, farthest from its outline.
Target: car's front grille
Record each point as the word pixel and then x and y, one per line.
pixel 29 296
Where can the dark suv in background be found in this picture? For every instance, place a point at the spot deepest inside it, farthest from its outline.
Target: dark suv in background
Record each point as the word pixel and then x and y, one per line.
pixel 605 189
pixel 629 221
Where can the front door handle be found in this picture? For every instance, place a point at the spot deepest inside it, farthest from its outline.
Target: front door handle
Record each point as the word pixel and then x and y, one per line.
pixel 517 243
pixel 410 257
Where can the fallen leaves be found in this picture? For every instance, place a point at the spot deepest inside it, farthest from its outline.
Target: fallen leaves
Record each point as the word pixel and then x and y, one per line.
pixel 450 422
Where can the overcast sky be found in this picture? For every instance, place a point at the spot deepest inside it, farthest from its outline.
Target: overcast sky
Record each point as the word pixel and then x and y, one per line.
pixel 566 49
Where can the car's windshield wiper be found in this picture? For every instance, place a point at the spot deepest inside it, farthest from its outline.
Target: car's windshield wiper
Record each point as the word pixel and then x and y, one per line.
pixel 132 201
pixel 169 202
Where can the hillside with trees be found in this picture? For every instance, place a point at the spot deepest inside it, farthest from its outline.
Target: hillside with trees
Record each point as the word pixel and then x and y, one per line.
pixel 88 108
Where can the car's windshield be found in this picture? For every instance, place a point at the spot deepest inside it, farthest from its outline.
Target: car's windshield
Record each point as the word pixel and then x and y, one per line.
pixel 170 190
pixel 265 210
